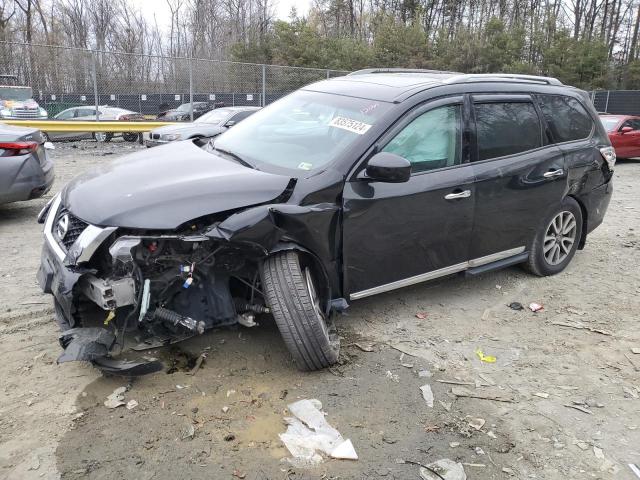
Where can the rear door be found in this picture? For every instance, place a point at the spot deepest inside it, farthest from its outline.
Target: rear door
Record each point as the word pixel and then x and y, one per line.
pixel 398 234
pixel 519 175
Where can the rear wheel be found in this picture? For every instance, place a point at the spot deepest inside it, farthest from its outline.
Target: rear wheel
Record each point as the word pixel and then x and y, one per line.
pixel 130 136
pixel 292 292
pixel 556 243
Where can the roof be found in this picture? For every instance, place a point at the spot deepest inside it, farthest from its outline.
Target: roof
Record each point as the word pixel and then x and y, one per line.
pixel 393 85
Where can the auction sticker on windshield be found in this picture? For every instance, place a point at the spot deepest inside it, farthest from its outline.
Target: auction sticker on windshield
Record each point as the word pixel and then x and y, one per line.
pixel 350 125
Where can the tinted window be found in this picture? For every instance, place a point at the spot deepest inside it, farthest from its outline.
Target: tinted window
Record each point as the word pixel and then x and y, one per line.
pixel 635 124
pixel 66 115
pixel 566 117
pixel 506 129
pixel 241 116
pixel 430 141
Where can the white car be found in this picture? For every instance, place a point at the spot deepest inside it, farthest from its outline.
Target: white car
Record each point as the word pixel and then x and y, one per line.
pixel 88 114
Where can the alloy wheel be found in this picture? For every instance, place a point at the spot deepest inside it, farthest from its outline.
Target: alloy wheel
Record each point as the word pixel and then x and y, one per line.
pixel 559 238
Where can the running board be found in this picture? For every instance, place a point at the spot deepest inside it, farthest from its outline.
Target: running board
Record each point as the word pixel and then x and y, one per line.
pixel 507 262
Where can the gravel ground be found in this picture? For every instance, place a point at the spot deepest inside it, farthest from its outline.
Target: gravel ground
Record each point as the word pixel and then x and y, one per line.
pixel 53 423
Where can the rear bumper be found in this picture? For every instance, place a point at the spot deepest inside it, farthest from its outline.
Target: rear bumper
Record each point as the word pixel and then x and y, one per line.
pixel 24 177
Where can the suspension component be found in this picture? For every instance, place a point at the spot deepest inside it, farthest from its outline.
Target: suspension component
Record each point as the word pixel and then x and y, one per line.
pixel 242 306
pixel 176 319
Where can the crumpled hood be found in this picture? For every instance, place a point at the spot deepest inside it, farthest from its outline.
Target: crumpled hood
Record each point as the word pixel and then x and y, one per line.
pixel 165 187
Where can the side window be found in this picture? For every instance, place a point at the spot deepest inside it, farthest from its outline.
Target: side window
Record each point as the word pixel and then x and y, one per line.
pixel 66 115
pixel 506 129
pixel 566 117
pixel 433 140
pixel 241 116
pixel 635 124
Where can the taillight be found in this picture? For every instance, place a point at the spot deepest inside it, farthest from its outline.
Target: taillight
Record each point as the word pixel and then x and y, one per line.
pixel 19 148
pixel 125 117
pixel 609 154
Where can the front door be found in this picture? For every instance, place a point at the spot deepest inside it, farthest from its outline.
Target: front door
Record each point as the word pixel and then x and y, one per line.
pixel 520 176
pixel 397 234
pixel 628 144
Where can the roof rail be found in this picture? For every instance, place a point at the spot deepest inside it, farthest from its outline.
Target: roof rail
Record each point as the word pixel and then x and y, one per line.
pixel 399 70
pixel 480 77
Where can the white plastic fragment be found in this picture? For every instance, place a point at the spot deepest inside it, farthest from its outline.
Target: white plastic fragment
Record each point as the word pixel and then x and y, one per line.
pixel 424 374
pixel 446 470
pixel 131 404
pixel 115 399
pixel 309 435
pixel 427 394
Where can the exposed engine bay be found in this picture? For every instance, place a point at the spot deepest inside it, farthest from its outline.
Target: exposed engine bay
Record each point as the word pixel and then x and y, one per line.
pixel 152 291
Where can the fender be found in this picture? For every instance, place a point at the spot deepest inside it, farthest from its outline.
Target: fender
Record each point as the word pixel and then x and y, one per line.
pixel 267 229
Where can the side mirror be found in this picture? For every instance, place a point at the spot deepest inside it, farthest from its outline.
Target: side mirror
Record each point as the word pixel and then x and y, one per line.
pixel 230 123
pixel 388 167
pixel 624 130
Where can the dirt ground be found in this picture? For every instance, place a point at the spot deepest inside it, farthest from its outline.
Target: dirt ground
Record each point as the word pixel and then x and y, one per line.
pixel 574 353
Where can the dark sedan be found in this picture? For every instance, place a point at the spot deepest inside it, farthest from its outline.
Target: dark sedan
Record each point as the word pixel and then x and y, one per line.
pixel 209 125
pixel 26 172
pixel 182 113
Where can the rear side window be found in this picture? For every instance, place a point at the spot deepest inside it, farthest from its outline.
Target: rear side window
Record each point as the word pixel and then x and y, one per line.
pixel 566 117
pixel 506 129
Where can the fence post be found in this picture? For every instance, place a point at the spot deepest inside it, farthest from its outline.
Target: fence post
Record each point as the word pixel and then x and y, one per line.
pixel 191 87
pixel 95 83
pixel 328 74
pixel 264 85
pixel 606 105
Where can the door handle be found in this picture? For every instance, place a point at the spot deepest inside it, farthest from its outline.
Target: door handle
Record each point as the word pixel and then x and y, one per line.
pixel 453 196
pixel 554 173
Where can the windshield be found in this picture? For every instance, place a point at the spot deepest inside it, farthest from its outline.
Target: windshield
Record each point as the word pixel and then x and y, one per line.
pixel 214 116
pixel 15 93
pixel 609 123
pixel 184 107
pixel 303 131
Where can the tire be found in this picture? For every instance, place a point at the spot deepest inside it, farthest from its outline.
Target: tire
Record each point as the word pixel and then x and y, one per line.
pixel 130 137
pixel 310 337
pixel 101 137
pixel 45 137
pixel 549 255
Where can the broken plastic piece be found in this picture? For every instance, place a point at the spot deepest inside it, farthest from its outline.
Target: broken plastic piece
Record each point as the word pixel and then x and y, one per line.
pixel 535 307
pixel 85 344
pixel 187 283
pixel 247 319
pixel 485 358
pixel 116 398
pixel 427 394
pixel 444 469
pixel 515 306
pixel 128 368
pixel 345 451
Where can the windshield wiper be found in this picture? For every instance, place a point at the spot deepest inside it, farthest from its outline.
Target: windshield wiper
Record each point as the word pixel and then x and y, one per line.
pixel 235 156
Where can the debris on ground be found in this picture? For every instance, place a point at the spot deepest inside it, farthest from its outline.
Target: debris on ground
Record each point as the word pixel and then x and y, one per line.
pixel 201 358
pixel 535 307
pixel 541 394
pixel 424 374
pixel 365 347
pixel 463 392
pixel 188 432
pixel 575 311
pixel 515 306
pixel 578 407
pixel 131 404
pixel 634 468
pixel 444 469
pixel 582 326
pixel 427 394
pixel 485 358
pixel 392 376
pixel 476 423
pixel 421 315
pixel 116 399
pixel 635 350
pixel 309 435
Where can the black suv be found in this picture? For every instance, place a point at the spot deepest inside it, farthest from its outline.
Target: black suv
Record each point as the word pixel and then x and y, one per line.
pixel 346 188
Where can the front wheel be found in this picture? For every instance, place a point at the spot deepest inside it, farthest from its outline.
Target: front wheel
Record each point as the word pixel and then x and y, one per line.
pixel 292 293
pixel 102 137
pixel 556 243
pixel 130 136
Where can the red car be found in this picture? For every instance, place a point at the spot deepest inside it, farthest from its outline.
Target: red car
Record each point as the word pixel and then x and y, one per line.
pixel 624 133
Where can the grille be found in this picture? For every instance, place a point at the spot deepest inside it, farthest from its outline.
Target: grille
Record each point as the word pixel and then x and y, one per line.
pixel 75 228
pixel 26 112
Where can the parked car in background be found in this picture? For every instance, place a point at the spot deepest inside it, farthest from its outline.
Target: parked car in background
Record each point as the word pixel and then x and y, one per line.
pixel 208 125
pixel 344 189
pixel 624 133
pixel 26 171
pixel 16 102
pixel 88 114
pixel 183 112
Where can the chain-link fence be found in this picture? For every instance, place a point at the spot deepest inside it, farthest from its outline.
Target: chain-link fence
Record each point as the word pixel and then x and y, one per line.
pixel 617 102
pixel 63 77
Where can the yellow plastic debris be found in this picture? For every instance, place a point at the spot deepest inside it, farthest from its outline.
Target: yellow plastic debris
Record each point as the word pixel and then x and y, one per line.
pixel 110 316
pixel 485 358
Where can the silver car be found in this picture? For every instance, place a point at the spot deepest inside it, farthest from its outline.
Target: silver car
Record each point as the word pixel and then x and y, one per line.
pixel 88 114
pixel 26 171
pixel 208 125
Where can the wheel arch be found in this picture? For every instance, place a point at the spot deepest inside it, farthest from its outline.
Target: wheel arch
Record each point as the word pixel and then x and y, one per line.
pixel 585 214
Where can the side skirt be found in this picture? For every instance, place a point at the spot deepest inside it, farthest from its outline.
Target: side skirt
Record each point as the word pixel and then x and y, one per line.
pixel 471 267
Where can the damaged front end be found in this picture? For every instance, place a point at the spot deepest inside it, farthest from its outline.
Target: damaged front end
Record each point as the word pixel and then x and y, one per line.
pixel 119 292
